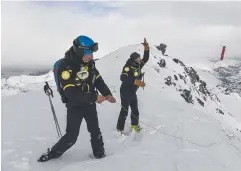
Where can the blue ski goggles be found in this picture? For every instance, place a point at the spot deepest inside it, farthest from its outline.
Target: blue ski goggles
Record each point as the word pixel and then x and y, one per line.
pixel 92 48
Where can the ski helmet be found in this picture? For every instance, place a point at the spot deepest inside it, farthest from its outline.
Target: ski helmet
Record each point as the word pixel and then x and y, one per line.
pixel 86 43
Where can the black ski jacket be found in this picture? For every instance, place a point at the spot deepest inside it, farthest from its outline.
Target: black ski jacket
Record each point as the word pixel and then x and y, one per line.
pixel 130 72
pixel 80 92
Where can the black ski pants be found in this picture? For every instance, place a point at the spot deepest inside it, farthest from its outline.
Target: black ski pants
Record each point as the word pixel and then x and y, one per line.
pixel 125 103
pixel 75 116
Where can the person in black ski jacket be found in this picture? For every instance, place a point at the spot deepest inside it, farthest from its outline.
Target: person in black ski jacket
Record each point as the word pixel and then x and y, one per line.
pixel 131 77
pixel 80 81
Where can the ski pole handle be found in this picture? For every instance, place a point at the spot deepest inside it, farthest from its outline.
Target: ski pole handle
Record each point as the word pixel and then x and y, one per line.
pixel 48 90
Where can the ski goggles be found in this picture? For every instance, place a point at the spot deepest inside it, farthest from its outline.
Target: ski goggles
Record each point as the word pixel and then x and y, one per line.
pixel 92 48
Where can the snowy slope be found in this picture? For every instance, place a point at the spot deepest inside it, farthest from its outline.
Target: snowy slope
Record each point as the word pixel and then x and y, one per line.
pixel 186 126
pixel 24 83
pixel 224 79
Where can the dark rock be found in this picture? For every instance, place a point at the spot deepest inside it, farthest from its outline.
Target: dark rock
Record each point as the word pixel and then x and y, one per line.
pixel 180 76
pixel 229 78
pixel 175 77
pixel 219 111
pixel 200 102
pixel 157 70
pixel 203 89
pixel 204 98
pixel 162 63
pixel 181 63
pixel 175 60
pixel 183 78
pixel 168 80
pixel 162 47
pixel 193 75
pixel 186 94
pixel 178 61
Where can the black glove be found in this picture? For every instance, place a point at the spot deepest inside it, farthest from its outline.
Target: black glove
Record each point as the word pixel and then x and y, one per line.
pixel 63 97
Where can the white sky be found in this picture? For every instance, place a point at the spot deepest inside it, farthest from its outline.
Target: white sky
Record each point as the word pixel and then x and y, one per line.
pixel 39 33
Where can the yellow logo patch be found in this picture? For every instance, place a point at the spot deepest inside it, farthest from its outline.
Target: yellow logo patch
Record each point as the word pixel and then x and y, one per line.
pixel 65 75
pixel 126 69
pixel 136 74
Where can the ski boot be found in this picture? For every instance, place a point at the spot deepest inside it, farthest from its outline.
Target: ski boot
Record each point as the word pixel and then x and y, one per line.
pixel 122 132
pixel 97 156
pixel 47 156
pixel 136 128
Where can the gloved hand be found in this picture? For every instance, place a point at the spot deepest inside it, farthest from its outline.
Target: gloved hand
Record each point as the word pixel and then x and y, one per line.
pixel 110 99
pixel 139 83
pixel 63 97
pixel 100 99
pixel 146 45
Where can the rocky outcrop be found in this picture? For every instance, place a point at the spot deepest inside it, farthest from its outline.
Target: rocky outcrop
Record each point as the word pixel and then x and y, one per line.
pixel 190 86
pixel 230 78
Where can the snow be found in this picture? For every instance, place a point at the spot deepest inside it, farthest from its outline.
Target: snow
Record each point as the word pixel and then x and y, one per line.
pixel 177 136
pixel 24 83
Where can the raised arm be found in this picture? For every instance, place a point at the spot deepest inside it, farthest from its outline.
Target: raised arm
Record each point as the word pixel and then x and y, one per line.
pixel 146 53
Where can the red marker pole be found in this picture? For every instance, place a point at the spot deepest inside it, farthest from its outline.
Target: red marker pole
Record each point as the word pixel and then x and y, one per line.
pixel 223 51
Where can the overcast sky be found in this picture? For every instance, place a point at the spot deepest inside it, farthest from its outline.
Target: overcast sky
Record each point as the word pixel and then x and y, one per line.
pixel 38 33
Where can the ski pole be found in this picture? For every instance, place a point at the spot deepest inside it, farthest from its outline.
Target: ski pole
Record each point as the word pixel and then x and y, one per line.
pixel 49 92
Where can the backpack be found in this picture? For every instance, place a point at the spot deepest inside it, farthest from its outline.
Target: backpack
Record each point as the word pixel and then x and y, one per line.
pixel 56 78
